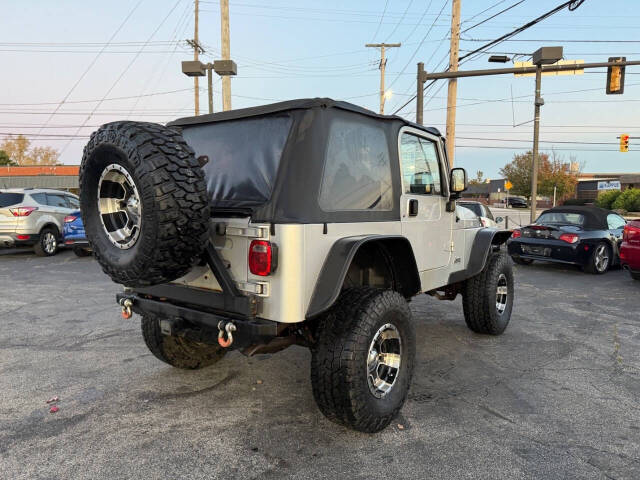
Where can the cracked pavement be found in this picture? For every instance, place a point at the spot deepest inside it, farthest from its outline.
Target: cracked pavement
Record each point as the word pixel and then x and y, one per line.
pixel 556 396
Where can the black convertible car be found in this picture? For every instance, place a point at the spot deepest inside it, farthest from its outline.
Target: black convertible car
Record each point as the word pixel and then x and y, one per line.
pixel 585 236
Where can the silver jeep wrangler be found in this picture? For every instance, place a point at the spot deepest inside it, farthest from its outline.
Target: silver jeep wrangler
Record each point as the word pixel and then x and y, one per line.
pixel 310 222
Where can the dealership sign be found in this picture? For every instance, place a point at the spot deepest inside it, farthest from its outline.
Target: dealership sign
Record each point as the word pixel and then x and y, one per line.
pixel 613 185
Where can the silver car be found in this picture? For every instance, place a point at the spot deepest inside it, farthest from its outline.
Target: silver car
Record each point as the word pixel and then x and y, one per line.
pixel 34 216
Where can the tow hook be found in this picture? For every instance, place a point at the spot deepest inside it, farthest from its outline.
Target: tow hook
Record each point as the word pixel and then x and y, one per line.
pixel 225 328
pixel 126 304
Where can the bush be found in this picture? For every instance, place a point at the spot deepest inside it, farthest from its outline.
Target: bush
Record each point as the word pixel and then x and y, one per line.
pixel 606 199
pixel 576 201
pixel 628 200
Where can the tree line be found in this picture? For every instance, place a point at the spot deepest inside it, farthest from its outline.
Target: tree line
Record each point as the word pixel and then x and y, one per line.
pixel 17 151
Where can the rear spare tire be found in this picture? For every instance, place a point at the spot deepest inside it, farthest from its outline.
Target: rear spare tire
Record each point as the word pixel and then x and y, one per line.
pixel 144 202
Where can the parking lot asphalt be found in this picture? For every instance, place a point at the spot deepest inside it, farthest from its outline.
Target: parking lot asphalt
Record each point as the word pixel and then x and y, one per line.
pixel 556 396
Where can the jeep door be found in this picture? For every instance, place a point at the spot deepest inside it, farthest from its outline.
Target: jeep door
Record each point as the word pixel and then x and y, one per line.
pixel 425 220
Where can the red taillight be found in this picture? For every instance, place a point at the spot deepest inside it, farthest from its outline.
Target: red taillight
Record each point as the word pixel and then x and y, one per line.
pixel 569 237
pixel 260 257
pixel 516 234
pixel 23 237
pixel 630 232
pixel 69 218
pixel 22 211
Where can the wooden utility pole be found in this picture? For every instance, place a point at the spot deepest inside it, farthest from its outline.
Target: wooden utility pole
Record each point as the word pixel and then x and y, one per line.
pixel 383 64
pixel 453 83
pixel 196 51
pixel 226 53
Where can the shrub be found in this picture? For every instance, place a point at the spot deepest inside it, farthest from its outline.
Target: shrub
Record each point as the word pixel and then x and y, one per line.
pixel 606 199
pixel 628 200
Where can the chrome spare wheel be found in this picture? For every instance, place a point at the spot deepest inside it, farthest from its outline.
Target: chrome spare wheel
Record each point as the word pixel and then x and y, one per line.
pixel 383 360
pixel 119 206
pixel 49 243
pixel 601 257
pixel 502 294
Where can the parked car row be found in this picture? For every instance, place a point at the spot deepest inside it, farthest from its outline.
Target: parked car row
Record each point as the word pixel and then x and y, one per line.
pixel 42 219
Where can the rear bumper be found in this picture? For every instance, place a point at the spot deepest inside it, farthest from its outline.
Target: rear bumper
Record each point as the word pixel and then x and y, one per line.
pixel 249 331
pixel 630 257
pixel 13 239
pixel 550 251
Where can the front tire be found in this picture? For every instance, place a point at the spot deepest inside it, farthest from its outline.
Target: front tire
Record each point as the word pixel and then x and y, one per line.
pixel 47 245
pixel 362 362
pixel 487 298
pixel 599 260
pixel 177 351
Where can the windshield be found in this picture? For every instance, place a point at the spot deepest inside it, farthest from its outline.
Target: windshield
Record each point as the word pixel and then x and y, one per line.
pixel 7 199
pixel 243 158
pixel 561 218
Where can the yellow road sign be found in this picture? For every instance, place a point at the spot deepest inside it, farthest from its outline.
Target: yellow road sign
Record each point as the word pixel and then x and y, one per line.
pixel 577 71
pixel 508 185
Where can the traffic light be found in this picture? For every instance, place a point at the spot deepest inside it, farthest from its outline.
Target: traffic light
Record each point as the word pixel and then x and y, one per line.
pixel 615 77
pixel 624 142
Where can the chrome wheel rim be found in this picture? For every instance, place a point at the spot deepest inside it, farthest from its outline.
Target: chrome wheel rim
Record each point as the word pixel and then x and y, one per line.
pixel 502 294
pixel 383 360
pixel 119 206
pixel 49 242
pixel 601 258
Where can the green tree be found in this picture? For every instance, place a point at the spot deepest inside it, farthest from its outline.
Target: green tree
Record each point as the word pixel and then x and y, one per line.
pixel 19 149
pixel 518 172
pixel 5 161
pixel 628 200
pixel 479 178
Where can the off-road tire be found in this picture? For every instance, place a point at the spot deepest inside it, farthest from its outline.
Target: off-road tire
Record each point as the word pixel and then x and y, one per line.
pixel 339 358
pixel 591 267
pixel 39 247
pixel 173 195
pixel 635 276
pixel 479 296
pixel 177 351
pixel 81 251
pixel 522 261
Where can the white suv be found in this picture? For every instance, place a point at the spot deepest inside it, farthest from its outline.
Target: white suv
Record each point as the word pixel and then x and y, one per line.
pixel 34 216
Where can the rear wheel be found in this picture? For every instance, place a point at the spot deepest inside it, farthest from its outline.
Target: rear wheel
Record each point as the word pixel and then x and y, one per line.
pixel 362 362
pixel 48 243
pixel 522 261
pixel 177 351
pixel 600 259
pixel 487 298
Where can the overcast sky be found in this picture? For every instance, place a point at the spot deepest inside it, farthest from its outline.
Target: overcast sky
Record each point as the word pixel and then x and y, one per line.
pixel 287 49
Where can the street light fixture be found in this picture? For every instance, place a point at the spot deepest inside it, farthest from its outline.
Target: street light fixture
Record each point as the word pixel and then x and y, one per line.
pixel 195 68
pixel 499 59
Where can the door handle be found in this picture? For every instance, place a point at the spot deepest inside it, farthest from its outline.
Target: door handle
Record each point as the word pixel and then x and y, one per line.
pixel 413 207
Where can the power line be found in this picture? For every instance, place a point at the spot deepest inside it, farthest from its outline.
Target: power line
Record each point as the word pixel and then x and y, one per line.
pixel 95 59
pixel 491 17
pixel 399 21
pixel 386 4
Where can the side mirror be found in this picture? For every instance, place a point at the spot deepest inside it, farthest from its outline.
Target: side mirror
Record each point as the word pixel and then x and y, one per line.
pixel 458 181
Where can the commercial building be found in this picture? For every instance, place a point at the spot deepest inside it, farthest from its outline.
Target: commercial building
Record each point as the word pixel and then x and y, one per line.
pixel 61 177
pixel 591 184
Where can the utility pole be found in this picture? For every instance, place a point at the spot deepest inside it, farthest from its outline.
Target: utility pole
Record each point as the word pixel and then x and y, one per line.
pixel 420 94
pixel 383 64
pixel 538 102
pixel 226 53
pixel 453 83
pixel 196 48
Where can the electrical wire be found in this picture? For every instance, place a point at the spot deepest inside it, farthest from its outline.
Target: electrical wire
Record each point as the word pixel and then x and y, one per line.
pixel 386 4
pixel 399 21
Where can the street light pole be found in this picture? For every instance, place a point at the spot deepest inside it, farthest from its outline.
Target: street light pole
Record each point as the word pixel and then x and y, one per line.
pixel 536 137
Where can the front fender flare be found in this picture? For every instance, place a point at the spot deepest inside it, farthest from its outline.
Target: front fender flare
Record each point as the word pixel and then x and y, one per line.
pixel 483 243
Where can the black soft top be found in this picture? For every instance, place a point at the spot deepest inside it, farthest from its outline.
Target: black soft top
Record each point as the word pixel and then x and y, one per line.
pixel 594 217
pixel 298 104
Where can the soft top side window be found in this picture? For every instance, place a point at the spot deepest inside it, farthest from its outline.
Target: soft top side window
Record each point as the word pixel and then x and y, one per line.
pixel 615 221
pixel 357 169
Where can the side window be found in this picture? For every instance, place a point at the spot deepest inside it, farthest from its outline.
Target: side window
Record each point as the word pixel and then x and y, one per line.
pixel 357 170
pixel 57 201
pixel 73 201
pixel 41 198
pixel 487 212
pixel 615 221
pixel 420 167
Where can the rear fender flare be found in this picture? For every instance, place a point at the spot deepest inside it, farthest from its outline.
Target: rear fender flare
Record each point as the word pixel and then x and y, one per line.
pixel 339 258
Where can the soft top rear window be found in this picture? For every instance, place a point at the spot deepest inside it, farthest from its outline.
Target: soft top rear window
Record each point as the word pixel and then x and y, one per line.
pixel 244 156
pixel 9 198
pixel 561 218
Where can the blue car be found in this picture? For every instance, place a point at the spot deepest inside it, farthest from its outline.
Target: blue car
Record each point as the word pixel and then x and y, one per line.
pixel 74 236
